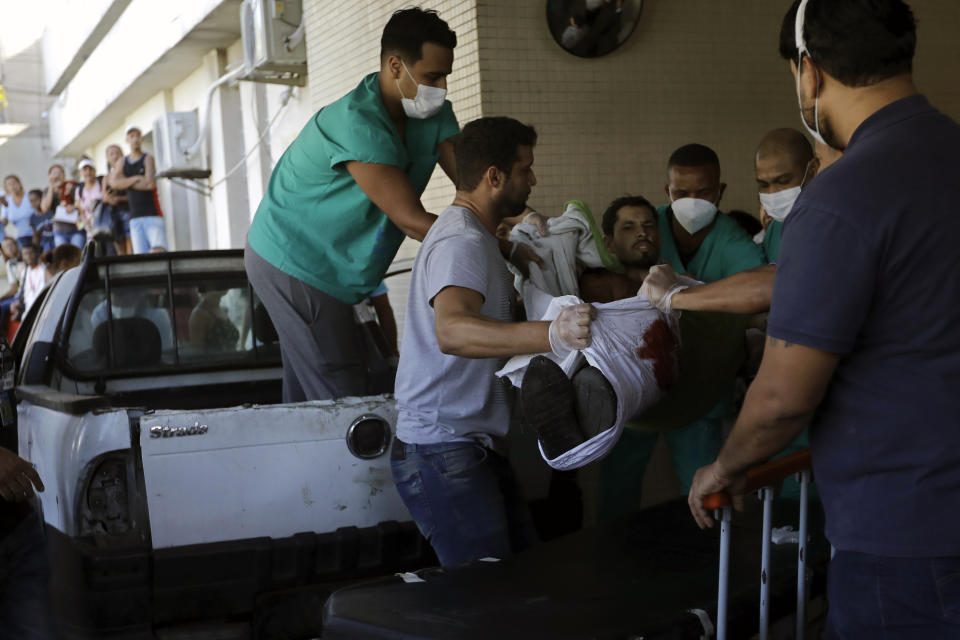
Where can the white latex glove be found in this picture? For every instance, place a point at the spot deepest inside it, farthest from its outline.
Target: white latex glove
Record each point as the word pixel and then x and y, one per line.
pixel 570 331
pixel 660 285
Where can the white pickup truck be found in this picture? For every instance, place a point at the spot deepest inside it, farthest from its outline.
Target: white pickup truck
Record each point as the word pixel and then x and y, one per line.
pixel 182 497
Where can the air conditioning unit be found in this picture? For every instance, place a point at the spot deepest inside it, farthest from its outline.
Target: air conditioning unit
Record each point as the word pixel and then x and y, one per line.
pixel 173 133
pixel 270 54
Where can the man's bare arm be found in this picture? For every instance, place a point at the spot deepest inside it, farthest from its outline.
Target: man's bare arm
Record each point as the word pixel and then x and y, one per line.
pixel 789 386
pixel 11 291
pixel 46 201
pixel 18 478
pixel 390 189
pixel 147 182
pixel 388 323
pixel 117 180
pixel 447 161
pixel 745 292
pixel 462 330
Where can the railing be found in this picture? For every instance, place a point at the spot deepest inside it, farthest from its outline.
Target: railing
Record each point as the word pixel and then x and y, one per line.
pixel 762 479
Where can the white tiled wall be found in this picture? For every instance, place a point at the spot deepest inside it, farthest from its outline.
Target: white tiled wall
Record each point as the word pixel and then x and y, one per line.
pixel 693 71
pixel 703 71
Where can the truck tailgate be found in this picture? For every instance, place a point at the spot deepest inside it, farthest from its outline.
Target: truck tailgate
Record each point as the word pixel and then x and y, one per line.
pixel 245 472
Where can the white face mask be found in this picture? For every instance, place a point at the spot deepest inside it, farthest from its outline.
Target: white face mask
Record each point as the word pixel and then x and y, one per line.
pixel 816 112
pixel 427 102
pixel 694 214
pixel 778 205
pixel 802 51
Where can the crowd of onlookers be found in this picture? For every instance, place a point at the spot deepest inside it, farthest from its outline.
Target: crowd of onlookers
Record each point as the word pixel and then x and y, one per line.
pixel 46 229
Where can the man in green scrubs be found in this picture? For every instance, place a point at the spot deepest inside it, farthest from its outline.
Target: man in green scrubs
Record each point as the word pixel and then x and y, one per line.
pixel 785 164
pixel 698 240
pixel 341 200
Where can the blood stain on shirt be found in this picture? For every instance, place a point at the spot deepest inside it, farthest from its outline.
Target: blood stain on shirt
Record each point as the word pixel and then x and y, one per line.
pixel 660 345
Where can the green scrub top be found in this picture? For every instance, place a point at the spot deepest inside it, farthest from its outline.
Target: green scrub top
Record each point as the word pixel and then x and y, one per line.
pixel 726 250
pixel 314 222
pixel 771 241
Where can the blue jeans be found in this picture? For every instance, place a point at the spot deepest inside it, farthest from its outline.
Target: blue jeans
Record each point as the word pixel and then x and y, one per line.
pixel 464 499
pixel 147 232
pixel 121 224
pixel 46 242
pixel 892 598
pixel 26 612
pixel 77 238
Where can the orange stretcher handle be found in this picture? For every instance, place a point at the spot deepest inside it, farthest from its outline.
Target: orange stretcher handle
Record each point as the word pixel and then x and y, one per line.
pixel 764 476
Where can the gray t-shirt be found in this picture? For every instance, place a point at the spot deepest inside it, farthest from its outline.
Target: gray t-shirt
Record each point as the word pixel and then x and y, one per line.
pixel 444 398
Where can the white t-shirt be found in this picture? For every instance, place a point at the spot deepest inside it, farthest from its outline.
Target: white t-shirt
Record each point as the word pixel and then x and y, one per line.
pixel 32 280
pixel 14 269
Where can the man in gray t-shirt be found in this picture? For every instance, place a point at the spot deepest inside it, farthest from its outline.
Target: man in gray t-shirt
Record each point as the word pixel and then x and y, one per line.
pixel 453 416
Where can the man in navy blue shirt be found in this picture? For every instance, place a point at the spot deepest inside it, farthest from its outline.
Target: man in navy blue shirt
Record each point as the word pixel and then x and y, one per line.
pixel 863 341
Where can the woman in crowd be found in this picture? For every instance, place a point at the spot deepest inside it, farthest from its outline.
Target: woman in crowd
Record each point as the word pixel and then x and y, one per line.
pixel 64 212
pixel 88 196
pixel 40 222
pixel 115 201
pixel 18 209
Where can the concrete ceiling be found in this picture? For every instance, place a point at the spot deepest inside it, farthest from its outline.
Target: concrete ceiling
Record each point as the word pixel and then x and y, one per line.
pixel 219 29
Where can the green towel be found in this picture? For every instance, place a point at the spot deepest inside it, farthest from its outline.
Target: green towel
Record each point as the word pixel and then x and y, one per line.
pixel 609 260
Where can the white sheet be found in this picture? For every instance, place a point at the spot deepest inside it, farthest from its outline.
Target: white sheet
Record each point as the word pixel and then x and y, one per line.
pixel 638 375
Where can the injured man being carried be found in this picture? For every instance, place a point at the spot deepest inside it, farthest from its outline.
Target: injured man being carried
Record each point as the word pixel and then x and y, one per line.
pixel 579 402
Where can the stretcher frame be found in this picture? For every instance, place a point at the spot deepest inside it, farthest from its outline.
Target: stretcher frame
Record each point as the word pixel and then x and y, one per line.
pixel 762 480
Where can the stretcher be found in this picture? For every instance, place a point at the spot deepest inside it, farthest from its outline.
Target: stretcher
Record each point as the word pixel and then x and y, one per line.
pixel 652 574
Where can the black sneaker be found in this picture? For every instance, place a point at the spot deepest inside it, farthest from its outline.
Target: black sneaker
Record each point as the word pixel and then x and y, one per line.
pixel 595 402
pixel 547 405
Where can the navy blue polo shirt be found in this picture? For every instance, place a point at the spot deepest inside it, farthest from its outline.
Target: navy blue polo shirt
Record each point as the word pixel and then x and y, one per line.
pixel 869 269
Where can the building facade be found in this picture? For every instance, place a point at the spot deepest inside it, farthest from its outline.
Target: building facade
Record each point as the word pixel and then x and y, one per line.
pixel 692 71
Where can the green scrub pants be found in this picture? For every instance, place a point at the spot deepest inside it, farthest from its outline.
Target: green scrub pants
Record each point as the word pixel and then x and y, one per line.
pixel 621 472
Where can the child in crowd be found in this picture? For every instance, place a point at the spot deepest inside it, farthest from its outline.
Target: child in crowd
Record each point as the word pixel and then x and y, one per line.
pixel 40 222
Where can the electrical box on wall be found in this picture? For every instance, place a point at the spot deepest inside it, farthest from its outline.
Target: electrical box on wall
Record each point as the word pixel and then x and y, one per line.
pixel 274 49
pixel 173 133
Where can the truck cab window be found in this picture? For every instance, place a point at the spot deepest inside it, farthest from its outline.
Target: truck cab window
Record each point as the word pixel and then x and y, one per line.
pixel 209 321
pixel 135 328
pixel 213 321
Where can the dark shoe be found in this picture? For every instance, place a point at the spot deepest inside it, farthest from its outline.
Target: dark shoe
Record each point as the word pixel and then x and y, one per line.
pixel 546 404
pixel 595 402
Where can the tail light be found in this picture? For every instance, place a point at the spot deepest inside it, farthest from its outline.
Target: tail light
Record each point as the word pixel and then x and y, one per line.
pixel 369 437
pixel 104 508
